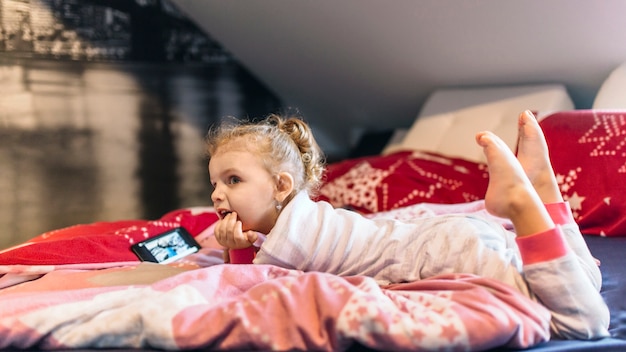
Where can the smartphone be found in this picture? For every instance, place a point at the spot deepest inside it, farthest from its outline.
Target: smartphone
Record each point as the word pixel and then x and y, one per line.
pixel 166 247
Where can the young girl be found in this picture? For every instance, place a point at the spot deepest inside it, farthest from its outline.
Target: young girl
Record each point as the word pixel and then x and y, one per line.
pixel 265 173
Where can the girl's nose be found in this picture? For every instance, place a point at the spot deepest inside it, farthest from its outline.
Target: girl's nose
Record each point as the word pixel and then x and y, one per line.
pixel 217 194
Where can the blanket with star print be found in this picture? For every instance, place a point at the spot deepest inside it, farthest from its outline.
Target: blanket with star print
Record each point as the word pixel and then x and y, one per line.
pixel 98 295
pixel 233 307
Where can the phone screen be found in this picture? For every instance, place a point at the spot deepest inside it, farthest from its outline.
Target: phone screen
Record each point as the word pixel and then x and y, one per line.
pixel 166 247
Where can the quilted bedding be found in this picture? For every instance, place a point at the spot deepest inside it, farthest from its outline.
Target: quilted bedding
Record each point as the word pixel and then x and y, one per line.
pixel 261 307
pixel 66 302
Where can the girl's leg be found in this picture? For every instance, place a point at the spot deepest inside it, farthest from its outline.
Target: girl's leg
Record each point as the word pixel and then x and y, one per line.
pixel 510 193
pixel 534 157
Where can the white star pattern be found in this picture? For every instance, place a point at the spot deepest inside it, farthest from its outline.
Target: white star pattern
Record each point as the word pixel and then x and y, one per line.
pixel 607 137
pixel 358 186
pixel 575 202
pixel 437 184
pixel 608 134
pixel 588 152
pixel 365 186
pixel 566 183
pixel 426 321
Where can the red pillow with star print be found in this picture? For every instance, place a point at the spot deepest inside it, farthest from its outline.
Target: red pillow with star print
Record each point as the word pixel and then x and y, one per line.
pixel 588 153
pixel 381 183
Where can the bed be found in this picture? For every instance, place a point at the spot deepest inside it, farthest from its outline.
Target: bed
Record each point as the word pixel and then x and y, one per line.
pixel 81 288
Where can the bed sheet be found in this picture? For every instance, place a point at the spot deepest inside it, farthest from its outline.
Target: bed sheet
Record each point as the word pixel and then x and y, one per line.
pixel 610 252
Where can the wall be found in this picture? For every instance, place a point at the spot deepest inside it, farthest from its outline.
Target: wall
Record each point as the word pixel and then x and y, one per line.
pixel 96 125
pixel 363 65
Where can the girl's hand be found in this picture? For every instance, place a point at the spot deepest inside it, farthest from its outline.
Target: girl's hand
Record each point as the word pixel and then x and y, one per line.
pixel 229 234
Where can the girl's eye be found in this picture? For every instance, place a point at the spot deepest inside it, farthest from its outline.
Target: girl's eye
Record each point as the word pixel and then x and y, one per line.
pixel 234 180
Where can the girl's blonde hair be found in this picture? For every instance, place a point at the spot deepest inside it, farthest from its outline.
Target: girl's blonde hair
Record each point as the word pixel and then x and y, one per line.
pixel 284 144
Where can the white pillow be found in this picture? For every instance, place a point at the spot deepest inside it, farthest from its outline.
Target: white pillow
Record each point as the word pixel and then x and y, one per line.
pixel 554 97
pixel 543 97
pixel 452 133
pixel 612 93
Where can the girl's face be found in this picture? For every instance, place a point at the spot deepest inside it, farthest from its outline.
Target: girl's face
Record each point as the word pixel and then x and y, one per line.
pixel 242 184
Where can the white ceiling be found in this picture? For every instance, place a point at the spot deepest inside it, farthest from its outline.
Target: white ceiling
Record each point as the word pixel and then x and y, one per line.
pixel 371 63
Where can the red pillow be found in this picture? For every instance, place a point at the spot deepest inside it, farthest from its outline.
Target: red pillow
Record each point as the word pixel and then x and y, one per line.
pixel 101 242
pixel 588 153
pixel 380 183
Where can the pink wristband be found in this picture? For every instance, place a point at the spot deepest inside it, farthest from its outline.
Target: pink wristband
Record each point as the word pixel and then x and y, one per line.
pixel 242 256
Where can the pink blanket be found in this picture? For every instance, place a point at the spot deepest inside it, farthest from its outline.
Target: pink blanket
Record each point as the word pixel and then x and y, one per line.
pixel 81 287
pixel 258 307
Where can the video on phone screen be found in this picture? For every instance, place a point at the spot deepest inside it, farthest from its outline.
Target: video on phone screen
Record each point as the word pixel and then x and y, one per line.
pixel 169 248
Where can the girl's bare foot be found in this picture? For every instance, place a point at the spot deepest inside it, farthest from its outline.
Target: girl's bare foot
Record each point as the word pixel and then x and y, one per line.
pixel 510 193
pixel 533 155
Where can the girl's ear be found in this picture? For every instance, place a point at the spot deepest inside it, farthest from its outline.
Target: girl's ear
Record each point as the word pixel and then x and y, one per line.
pixel 284 186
